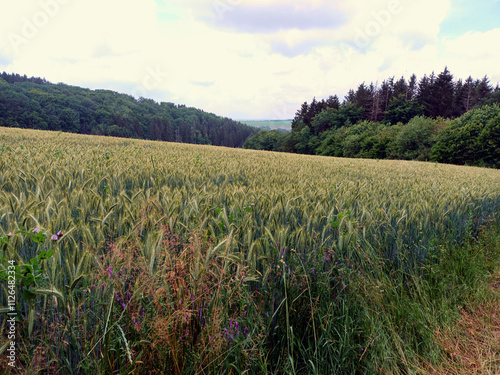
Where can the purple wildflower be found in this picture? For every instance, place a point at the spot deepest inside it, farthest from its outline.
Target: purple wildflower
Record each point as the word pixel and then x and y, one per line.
pixel 54 237
pixel 123 305
pixel 102 287
pixel 244 313
pixel 36 230
pixel 110 271
pixel 10 234
pixel 283 252
pixel 245 331
pixel 312 271
pixel 60 233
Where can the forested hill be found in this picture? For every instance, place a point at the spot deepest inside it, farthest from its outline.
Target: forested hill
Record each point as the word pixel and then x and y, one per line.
pixel 38 104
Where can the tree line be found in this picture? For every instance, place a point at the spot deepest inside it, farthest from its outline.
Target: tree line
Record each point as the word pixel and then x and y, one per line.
pixel 38 104
pixel 416 120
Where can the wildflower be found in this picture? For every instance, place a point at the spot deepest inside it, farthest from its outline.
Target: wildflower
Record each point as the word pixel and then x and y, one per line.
pixel 10 234
pixel 123 305
pixel 110 271
pixel 312 271
pixel 54 237
pixel 192 297
pixel 36 230
pixel 60 233
pixel 245 331
pixel 244 313
pixel 283 252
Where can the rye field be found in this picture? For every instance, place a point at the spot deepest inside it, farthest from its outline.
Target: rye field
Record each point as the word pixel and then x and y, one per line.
pixel 140 257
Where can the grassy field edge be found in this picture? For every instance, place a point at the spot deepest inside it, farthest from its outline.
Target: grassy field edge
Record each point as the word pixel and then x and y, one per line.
pixel 470 342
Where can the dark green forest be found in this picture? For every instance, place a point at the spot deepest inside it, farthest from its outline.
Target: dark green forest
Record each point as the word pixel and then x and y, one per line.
pixel 431 119
pixel 38 104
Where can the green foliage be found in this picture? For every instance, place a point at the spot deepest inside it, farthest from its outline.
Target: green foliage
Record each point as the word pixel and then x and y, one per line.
pixel 268 140
pixel 331 118
pixel 402 110
pixel 414 139
pixel 471 139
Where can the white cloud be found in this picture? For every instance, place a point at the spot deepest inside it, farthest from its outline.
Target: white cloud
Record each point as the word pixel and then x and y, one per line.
pixel 123 44
pixel 475 54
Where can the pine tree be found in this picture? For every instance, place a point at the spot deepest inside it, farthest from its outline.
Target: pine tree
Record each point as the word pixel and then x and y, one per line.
pixel 483 89
pixel 411 88
pixel 424 93
pixel 442 95
pixel 400 88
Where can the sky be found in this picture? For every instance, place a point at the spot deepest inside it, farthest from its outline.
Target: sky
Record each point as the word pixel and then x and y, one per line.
pixel 246 59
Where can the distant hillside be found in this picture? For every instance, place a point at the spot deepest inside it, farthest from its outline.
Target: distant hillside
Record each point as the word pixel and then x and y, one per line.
pixel 38 104
pixel 270 124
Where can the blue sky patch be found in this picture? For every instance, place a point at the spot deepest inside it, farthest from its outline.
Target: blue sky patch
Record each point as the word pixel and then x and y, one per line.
pixel 466 16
